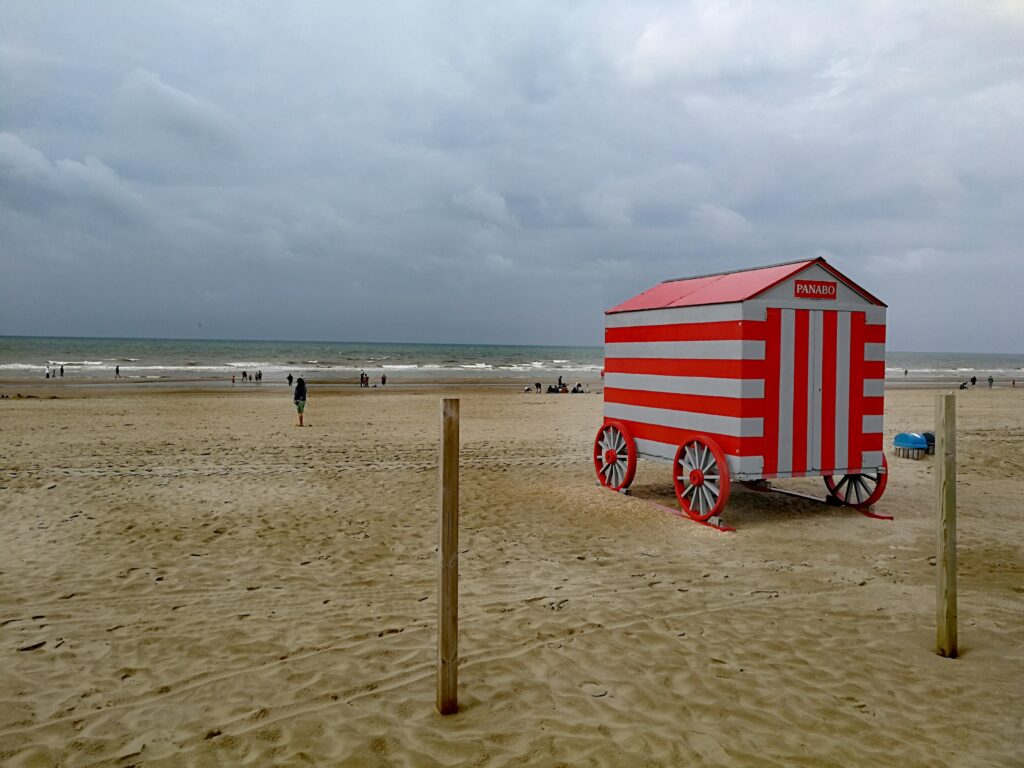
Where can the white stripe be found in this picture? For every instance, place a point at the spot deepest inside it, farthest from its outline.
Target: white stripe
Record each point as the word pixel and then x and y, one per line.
pixel 842 435
pixel 655 450
pixel 685 385
pixel 787 338
pixel 687 350
pixel 815 415
pixel 874 315
pixel 871 460
pixel 740 467
pixel 707 313
pixel 697 422
pixel 872 425
pixel 874 351
pixel 874 388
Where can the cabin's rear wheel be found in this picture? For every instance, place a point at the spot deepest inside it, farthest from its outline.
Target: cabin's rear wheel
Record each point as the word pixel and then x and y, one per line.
pixel 614 456
pixel 701 478
pixel 859 490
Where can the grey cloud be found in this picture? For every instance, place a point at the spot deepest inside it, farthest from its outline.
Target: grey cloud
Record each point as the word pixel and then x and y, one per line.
pixel 500 173
pixel 487 205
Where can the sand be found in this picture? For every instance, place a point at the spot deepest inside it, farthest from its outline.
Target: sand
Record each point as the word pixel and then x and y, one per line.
pixel 190 579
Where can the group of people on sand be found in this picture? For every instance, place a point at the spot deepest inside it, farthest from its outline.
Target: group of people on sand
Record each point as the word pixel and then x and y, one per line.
pixel 54 374
pixel 991 381
pixel 364 379
pixel 561 388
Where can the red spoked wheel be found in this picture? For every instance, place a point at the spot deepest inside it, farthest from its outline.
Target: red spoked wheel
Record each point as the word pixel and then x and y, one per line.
pixel 614 456
pixel 859 490
pixel 701 478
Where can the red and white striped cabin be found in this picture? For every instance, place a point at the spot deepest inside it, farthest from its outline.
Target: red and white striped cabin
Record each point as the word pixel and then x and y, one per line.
pixel 782 366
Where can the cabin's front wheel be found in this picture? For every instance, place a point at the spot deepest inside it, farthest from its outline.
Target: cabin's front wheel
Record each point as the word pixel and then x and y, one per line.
pixel 701 478
pixel 614 456
pixel 859 490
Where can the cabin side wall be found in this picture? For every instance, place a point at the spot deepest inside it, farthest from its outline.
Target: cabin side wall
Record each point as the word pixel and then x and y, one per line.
pixel 670 373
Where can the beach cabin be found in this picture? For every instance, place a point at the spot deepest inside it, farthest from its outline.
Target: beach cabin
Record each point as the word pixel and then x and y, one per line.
pixel 746 376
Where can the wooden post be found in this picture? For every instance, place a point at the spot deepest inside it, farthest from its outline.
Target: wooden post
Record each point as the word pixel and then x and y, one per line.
pixel 945 557
pixel 448 559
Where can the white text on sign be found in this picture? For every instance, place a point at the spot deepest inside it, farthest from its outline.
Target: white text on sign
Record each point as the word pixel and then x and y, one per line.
pixel 814 289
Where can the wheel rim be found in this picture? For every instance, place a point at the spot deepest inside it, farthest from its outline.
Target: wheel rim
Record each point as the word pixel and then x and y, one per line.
pixel 701 478
pixel 859 490
pixel 614 456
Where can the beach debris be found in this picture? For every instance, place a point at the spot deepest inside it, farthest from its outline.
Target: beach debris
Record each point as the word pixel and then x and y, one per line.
pixel 593 689
pixel 212 734
pixel 33 647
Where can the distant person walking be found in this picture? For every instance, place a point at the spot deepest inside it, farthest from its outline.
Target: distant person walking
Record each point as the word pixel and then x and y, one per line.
pixel 383 379
pixel 289 380
pixel 62 371
pixel 117 371
pixel 232 379
pixel 990 381
pixel 300 397
pixel 905 372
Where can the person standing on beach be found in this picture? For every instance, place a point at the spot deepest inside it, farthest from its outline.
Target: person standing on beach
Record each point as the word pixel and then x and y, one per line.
pixel 117 371
pixel 383 379
pixel 990 379
pixel 300 397
pixel 62 371
pixel 289 381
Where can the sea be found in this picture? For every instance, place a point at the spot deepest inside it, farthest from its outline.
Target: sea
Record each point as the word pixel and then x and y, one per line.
pixel 31 357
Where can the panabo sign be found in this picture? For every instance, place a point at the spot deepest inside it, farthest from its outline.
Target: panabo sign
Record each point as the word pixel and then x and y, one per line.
pixel 815 289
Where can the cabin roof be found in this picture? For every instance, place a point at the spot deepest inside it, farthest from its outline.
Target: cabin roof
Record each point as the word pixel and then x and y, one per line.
pixel 728 287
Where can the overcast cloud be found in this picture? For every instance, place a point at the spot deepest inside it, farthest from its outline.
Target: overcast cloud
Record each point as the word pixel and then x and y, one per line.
pixel 501 172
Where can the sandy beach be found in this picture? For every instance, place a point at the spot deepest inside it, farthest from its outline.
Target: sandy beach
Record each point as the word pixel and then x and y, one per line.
pixel 187 578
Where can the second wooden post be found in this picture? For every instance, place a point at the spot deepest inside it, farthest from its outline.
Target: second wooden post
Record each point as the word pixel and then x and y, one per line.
pixel 448 560
pixel 945 556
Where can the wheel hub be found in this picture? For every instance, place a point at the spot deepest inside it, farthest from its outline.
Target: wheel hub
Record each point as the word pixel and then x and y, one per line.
pixel 696 477
pixel 610 456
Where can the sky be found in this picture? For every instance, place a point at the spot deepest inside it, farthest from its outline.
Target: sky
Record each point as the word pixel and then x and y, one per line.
pixel 467 172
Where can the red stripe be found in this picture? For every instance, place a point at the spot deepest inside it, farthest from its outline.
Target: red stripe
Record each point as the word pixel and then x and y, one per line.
pixel 874 334
pixel 856 422
pixel 714 369
pixel 873 406
pixel 801 337
pixel 828 390
pixel 718 406
pixel 874 369
pixel 734 446
pixel 773 335
pixel 725 330
pixel 871 442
